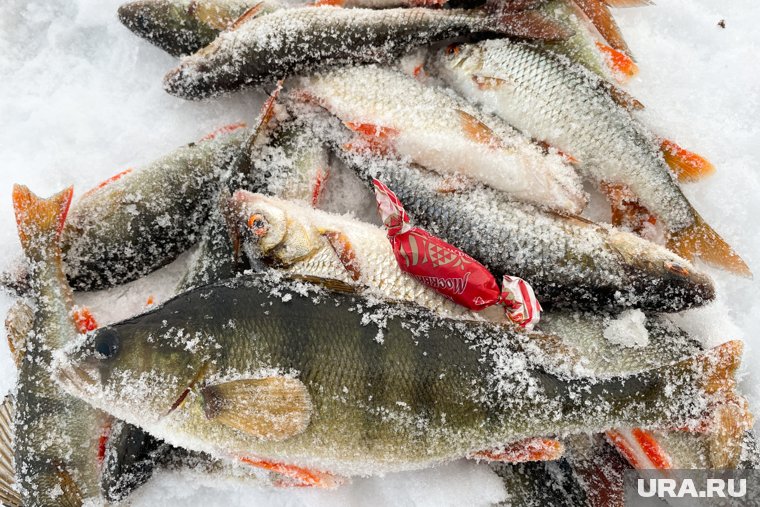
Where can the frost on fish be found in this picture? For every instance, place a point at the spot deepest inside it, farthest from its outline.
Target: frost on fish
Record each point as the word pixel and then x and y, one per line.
pixel 628 329
pixel 146 218
pixel 393 112
pixel 569 261
pixel 431 390
pixel 573 110
pixel 305 39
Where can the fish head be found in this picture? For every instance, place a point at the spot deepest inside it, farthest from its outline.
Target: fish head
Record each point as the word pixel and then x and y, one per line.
pixel 271 228
pixel 466 58
pixel 132 373
pixel 176 27
pixel 660 275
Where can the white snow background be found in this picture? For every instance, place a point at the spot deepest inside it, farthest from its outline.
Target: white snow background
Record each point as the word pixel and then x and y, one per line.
pixel 81 99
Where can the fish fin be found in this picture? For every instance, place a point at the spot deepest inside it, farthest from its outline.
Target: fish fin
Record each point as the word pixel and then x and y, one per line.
pixel 529 24
pixel 640 448
pixel 330 283
pixel 319 184
pixel 624 99
pixel 627 212
pixel 345 252
pixel 333 3
pixel 84 319
pixel 70 495
pixel 301 477
pixel 115 177
pixel 226 129
pixel 622 65
pixel 719 365
pixel 729 423
pixel 478 131
pixel 8 495
pixel 628 3
pixel 686 165
pixel 372 130
pixel 487 82
pixel 18 325
pixel 40 221
pixel 701 241
pixel 600 16
pixel 248 15
pixel 272 408
pixel 544 145
pixel 529 449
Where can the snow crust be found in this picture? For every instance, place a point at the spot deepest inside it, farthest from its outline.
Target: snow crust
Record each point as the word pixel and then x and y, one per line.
pixel 628 329
pixel 81 99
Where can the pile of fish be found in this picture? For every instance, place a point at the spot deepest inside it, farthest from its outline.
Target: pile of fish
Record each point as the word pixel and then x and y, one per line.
pixel 299 349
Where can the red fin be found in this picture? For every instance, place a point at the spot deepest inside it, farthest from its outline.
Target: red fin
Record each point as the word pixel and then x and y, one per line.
pixel 372 138
pixel 620 63
pixel 223 130
pixel 488 83
pixel 345 252
pixel 686 165
pixel 600 16
pixel 626 210
pixel 303 477
pixel 701 241
pixel 530 449
pixel 641 449
pixel 319 183
pixel 247 15
pixel 84 319
pixel 529 24
pixel 547 147
pixel 334 3
pixel 105 434
pixel 478 131
pixel 40 221
pixel 419 71
pixel 103 183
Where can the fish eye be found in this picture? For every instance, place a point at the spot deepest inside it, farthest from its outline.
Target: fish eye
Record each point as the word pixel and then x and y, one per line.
pixel 257 224
pixel 107 344
pixel 676 268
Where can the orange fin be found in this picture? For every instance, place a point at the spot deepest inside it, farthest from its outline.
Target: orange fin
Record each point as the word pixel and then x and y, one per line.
pixel 488 83
pixel 620 63
pixel 223 130
pixel 701 241
pixel 334 3
pixel 69 493
pixel 108 181
pixel 345 252
pixel 548 147
pixel 529 24
pixel 600 16
pixel 84 319
pixel 625 99
pixel 370 130
pixel 626 210
pixel 478 131
pixel 150 301
pixel 371 138
pixel 301 476
pixel 247 16
pixel 686 165
pixel 40 221
pixel 640 448
pixel 530 449
pixel 319 185
pixel 729 423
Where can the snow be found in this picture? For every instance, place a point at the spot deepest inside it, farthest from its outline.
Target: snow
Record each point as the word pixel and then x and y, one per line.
pixel 81 99
pixel 628 329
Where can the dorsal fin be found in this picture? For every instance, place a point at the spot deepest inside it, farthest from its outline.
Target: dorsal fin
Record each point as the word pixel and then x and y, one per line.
pixel 8 495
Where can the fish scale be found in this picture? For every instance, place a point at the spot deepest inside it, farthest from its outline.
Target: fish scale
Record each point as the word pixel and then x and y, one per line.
pixel 429 390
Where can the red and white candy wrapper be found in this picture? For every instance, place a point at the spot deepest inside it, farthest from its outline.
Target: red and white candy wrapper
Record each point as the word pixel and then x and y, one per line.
pixel 450 271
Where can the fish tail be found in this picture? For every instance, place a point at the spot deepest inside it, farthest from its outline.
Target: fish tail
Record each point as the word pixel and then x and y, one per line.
pixel 528 24
pixel 700 240
pixel 40 221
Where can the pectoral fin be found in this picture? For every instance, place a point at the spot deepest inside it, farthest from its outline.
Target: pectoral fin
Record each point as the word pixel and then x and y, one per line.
pixel 299 477
pixel 247 16
pixel 487 82
pixel 685 164
pixel 626 210
pixel 477 130
pixel 8 495
pixel 345 252
pixel 18 325
pixel 272 408
pixel 529 449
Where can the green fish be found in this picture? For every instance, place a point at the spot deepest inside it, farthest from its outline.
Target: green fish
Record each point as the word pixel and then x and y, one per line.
pixel 318 385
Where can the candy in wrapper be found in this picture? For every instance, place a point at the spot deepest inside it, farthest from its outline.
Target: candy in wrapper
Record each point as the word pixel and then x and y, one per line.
pixel 450 271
